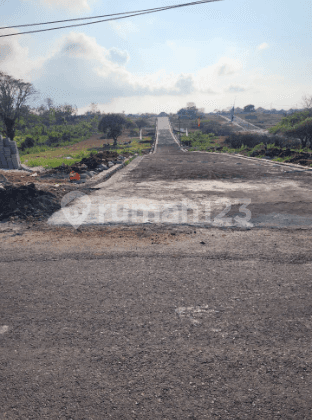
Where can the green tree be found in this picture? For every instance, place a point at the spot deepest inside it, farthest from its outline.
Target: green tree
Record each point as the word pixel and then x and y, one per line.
pixel 13 96
pixel 249 108
pixel 142 122
pixel 297 125
pixel 113 125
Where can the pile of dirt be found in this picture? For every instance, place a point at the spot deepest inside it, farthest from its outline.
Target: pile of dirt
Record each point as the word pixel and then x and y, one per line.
pixel 87 164
pixel 26 202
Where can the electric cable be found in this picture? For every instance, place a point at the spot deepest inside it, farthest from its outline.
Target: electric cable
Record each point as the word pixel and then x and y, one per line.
pixel 136 13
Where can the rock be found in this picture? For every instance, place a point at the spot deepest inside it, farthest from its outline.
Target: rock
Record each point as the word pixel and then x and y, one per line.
pixel 3 178
pixel 110 164
pixel 102 167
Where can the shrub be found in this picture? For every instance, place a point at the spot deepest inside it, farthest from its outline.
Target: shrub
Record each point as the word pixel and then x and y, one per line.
pixel 52 140
pixel 27 143
pixel 66 136
pixel 237 140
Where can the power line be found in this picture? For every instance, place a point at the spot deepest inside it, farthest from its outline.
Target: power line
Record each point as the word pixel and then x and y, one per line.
pixel 114 14
pixel 136 13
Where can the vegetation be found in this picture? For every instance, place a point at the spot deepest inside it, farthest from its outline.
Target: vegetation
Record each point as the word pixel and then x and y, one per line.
pixel 113 125
pixel 199 141
pixel 13 96
pixel 54 157
pixel 297 125
pixel 41 135
pixel 142 122
pixel 51 157
pixel 238 140
pixel 249 108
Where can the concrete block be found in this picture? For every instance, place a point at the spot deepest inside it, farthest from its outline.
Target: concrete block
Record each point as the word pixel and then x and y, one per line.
pixel 16 163
pixel 10 163
pixel 4 162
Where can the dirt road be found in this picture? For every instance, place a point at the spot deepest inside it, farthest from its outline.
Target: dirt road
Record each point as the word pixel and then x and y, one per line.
pixel 166 319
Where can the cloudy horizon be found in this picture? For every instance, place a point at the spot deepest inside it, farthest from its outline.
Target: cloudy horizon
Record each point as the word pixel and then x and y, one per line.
pixel 210 54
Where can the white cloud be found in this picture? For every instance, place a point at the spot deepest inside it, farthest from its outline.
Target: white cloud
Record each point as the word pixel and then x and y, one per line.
pixel 124 28
pixel 118 56
pixel 235 88
pixel 227 67
pixel 70 5
pixel 14 58
pixel 263 46
pixel 79 71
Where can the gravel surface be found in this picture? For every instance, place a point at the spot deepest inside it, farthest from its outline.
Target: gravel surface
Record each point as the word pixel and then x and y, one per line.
pixel 162 321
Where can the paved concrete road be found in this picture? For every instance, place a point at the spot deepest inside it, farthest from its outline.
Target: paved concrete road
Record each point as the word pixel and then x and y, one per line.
pixel 194 188
pixel 163 320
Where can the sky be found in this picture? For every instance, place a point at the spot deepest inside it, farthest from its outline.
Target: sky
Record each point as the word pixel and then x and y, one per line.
pixel 213 54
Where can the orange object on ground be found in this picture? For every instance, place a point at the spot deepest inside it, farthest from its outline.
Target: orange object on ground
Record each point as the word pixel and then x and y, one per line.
pixel 74 176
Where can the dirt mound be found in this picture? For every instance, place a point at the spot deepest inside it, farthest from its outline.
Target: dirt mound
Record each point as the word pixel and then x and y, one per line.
pixel 94 160
pixel 89 163
pixel 26 202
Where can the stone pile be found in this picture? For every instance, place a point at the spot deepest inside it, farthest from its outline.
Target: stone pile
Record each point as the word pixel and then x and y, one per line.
pixel 9 156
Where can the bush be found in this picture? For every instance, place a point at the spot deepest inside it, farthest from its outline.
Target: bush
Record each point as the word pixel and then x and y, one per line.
pixel 27 143
pixel 66 136
pixel 237 140
pixel 52 140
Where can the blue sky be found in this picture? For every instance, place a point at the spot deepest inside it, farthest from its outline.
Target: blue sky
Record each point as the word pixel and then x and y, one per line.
pixel 257 52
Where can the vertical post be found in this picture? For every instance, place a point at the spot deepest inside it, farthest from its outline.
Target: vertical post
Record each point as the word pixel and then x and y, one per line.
pixel 179 131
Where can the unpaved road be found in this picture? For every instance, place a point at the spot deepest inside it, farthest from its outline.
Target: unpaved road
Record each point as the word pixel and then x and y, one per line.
pixel 164 320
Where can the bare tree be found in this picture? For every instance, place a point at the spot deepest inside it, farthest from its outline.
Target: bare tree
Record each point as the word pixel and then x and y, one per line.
pixel 307 102
pixel 94 108
pixel 49 103
pixel 13 95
